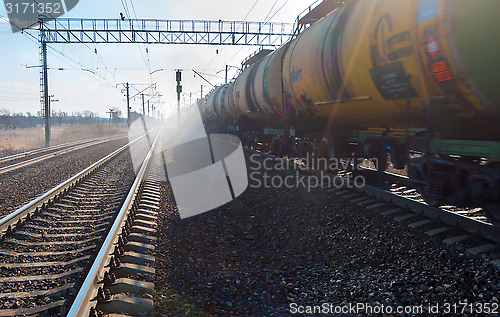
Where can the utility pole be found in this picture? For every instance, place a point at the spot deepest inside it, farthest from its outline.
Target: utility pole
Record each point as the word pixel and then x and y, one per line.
pixel 227 66
pixel 178 78
pixel 127 90
pixel 127 86
pixel 110 115
pixel 46 99
pixel 128 106
pixel 201 91
pixel 143 109
pixel 51 100
pixel 148 109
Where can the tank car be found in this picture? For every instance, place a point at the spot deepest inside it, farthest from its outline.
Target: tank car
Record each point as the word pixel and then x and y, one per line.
pixel 414 81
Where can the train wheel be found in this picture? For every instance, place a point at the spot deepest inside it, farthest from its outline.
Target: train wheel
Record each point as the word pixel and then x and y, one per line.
pixel 323 156
pixel 427 195
pixel 437 191
pixel 492 211
pixel 382 163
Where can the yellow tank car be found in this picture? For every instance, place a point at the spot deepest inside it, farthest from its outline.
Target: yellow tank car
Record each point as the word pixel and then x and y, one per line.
pixel 358 66
pixel 459 55
pixel 243 93
pixel 268 84
pixel 379 78
pixel 229 111
pixel 399 64
pixel 256 88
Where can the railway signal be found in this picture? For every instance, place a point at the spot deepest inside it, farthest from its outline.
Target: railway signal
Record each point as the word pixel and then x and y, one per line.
pixel 178 78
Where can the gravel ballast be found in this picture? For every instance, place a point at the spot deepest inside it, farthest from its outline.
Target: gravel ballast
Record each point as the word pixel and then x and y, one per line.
pixel 274 251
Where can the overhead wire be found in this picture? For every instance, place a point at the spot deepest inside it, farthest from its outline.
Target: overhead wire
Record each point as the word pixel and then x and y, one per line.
pixel 125 8
pixel 146 60
pixel 265 21
pixel 92 50
pixel 246 16
pixel 251 9
pixel 271 10
pixel 101 59
pixel 277 11
pixel 82 68
pixel 35 40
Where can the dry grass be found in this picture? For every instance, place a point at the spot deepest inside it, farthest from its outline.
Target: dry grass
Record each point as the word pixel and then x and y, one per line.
pixel 19 140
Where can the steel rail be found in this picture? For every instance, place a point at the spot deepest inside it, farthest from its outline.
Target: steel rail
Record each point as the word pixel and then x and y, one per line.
pixel 450 218
pixel 87 296
pixel 32 161
pixel 61 148
pixel 41 150
pixel 20 214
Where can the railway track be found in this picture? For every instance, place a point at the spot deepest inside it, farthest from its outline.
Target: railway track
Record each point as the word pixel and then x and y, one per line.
pixel 121 278
pixel 14 162
pixel 403 194
pixel 401 201
pixel 87 247
pixel 48 245
pixel 40 151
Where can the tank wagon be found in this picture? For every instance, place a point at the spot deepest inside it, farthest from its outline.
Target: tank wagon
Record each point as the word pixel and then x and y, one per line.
pixel 416 81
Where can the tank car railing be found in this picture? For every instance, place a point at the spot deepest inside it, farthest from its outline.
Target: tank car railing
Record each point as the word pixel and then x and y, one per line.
pixel 297 28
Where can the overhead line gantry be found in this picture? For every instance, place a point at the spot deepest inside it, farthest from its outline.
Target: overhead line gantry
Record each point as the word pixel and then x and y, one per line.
pixel 148 31
pixel 151 31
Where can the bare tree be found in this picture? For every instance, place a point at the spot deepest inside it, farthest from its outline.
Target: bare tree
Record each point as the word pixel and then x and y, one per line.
pixel 115 115
pixel 5 118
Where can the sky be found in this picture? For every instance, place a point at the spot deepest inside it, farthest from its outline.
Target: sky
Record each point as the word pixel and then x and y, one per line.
pixel 80 79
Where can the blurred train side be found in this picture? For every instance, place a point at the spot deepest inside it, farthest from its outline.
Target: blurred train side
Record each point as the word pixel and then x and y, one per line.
pixel 361 63
pixel 376 77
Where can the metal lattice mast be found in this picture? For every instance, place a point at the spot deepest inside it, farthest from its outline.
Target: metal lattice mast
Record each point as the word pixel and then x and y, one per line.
pixel 44 85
